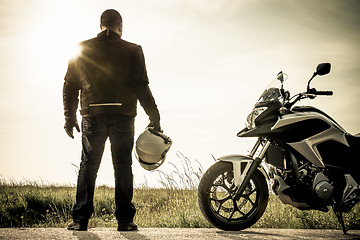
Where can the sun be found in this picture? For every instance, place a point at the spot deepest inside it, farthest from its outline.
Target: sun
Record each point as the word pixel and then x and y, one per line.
pixel 57 42
pixel 74 50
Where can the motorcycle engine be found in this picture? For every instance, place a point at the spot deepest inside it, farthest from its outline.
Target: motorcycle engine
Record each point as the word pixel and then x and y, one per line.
pixel 321 185
pixel 314 192
pixel 316 180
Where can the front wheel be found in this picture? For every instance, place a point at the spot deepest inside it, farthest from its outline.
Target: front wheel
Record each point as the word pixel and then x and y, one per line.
pixel 216 198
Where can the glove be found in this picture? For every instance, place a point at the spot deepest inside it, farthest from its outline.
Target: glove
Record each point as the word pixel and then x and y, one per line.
pixel 69 126
pixel 155 126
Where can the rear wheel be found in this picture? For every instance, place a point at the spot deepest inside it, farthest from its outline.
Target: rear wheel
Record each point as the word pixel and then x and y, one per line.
pixel 216 198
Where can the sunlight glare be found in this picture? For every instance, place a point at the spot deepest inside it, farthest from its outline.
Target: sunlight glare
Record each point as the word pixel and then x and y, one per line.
pixel 73 50
pixel 60 43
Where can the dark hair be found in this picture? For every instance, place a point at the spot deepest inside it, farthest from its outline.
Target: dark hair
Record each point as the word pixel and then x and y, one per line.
pixel 110 18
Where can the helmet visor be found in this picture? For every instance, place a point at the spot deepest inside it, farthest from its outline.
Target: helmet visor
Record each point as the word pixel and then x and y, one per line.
pixel 150 166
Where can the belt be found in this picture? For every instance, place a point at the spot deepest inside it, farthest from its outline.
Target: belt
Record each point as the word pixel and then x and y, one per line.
pixel 101 108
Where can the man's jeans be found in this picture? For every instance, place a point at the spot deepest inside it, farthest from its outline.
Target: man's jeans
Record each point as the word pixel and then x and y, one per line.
pixel 95 131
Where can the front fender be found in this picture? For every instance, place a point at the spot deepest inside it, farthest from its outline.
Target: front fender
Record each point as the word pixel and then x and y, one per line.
pixel 240 174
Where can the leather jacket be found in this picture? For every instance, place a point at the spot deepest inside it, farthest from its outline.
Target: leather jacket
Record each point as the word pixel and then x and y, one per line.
pixel 110 74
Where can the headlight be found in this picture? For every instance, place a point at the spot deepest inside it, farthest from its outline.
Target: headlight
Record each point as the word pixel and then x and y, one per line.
pixel 253 115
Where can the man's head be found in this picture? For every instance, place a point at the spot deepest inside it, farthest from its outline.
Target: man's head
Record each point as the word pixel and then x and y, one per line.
pixel 111 19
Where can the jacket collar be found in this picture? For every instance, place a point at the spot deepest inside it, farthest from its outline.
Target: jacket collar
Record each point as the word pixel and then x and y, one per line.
pixel 108 34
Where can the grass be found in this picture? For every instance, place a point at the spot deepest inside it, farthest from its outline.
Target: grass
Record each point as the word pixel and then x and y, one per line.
pixel 186 177
pixel 278 215
pixel 32 204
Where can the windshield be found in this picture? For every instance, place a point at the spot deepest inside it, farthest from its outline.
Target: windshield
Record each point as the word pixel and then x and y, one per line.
pixel 272 92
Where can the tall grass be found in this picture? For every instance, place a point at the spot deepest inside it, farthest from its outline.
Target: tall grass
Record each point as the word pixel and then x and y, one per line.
pixel 32 204
pixel 186 176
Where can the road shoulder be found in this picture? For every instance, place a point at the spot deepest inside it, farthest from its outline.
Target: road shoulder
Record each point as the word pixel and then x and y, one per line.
pixel 174 233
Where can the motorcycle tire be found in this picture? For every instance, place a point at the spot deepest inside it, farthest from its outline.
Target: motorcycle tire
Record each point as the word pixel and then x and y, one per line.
pixel 216 203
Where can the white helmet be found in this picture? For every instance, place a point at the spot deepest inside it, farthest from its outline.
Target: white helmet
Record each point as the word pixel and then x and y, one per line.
pixel 151 148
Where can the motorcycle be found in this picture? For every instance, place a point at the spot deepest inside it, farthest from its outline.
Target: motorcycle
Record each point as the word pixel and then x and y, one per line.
pixel 304 155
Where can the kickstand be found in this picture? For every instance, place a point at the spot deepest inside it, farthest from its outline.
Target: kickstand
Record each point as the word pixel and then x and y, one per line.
pixel 339 216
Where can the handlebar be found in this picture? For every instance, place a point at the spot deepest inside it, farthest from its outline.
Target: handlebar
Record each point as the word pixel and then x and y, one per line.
pixel 316 92
pixel 327 93
pixel 310 93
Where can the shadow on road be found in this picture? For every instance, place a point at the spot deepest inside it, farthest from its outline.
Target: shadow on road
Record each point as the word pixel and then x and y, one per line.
pixel 85 235
pixel 249 234
pixel 127 235
pixel 289 234
pixel 134 236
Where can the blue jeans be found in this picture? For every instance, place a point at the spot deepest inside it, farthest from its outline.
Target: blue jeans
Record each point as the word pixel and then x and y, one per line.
pixel 95 131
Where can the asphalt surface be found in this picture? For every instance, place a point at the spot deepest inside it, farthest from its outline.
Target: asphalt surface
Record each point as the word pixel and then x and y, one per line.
pixel 174 233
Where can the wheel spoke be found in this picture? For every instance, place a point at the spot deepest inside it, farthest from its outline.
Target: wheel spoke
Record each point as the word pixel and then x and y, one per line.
pixel 220 205
pixel 252 203
pixel 226 188
pixel 251 192
pixel 241 212
pixel 221 183
pixel 234 210
pixel 221 201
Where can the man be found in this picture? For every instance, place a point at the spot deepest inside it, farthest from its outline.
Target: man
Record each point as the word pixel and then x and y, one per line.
pixel 111 76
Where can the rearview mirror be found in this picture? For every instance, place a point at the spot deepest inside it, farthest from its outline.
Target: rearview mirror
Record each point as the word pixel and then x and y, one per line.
pixel 323 69
pixel 282 77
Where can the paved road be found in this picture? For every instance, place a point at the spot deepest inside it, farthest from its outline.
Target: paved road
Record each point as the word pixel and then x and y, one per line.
pixel 174 233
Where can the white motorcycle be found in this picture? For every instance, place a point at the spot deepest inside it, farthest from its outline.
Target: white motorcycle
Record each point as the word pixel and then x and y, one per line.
pixel 311 162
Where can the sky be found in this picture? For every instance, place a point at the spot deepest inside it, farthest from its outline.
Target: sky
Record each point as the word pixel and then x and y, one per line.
pixel 207 61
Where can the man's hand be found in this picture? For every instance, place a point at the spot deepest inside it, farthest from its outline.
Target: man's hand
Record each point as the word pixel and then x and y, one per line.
pixel 70 126
pixel 155 125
